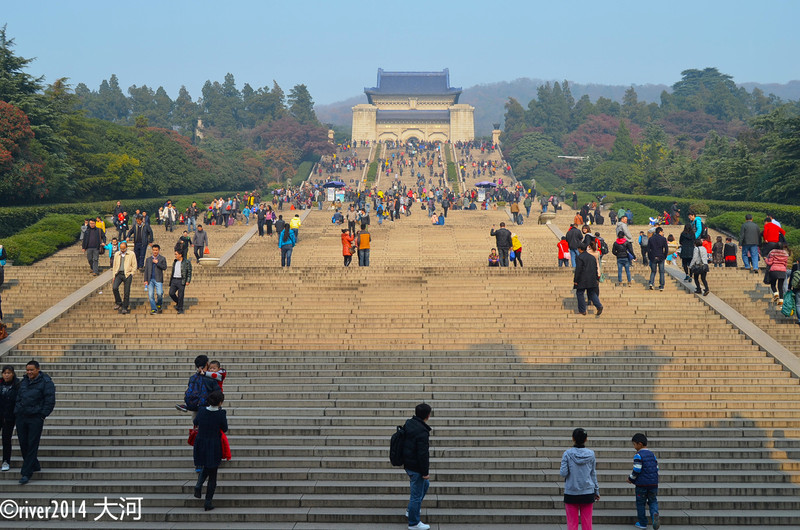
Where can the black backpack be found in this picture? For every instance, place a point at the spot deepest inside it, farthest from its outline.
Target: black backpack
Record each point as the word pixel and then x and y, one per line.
pixel 396 445
pixel 603 247
pixel 703 231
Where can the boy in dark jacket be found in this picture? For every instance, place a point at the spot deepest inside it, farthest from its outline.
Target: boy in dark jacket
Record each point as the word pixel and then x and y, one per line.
pixel 645 477
pixel 416 461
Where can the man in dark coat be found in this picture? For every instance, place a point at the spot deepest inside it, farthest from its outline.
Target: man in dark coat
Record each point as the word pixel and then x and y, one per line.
pixel 574 239
pixel 416 461
pixel 93 241
pixel 658 250
pixel 180 277
pixel 586 279
pixel 142 236
pixel 36 399
pixel 503 238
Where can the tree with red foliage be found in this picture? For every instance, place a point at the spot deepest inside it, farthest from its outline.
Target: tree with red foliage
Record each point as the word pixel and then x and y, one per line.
pixel 20 171
pixel 599 132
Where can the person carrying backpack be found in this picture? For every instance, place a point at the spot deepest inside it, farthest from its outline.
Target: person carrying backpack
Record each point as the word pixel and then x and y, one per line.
pixel 794 286
pixel 199 387
pixel 416 461
pixel 700 229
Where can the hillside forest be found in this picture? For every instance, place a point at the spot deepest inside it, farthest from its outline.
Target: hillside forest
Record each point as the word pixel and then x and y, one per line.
pixel 63 144
pixel 707 139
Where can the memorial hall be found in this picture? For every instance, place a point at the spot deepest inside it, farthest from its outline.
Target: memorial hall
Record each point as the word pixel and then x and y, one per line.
pixel 418 106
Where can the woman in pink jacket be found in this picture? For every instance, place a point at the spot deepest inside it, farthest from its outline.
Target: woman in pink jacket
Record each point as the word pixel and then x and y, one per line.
pixel 777 260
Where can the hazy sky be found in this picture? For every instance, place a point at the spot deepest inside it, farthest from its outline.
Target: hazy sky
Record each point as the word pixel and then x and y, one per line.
pixel 335 48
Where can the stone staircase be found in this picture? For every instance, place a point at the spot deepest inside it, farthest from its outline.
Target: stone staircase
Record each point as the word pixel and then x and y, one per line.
pixel 324 361
pixel 479 158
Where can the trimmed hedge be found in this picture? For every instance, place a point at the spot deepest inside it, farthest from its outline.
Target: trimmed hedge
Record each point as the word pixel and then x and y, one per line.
pixel 784 213
pixel 303 171
pixel 14 218
pixel 44 238
pixel 372 172
pixel 731 222
pixel 452 172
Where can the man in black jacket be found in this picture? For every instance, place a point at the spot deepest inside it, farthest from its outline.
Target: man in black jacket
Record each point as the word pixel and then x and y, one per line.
pixel 574 240
pixel 416 458
pixel 658 250
pixel 142 236
pixel 154 279
pixel 36 399
pixel 586 279
pixel 93 241
pixel 503 238
pixel 180 277
pixel 191 217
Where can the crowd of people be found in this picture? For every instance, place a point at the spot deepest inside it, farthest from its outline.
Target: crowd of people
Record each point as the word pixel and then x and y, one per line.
pixel 126 262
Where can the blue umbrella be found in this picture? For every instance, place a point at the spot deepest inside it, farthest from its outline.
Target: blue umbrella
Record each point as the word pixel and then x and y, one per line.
pixel 334 184
pixel 486 184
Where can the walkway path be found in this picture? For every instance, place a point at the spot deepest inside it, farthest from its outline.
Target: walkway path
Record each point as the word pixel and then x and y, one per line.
pixel 324 361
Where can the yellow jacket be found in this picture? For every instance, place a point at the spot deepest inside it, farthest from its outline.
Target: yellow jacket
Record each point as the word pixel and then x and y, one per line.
pixel 294 222
pixel 515 244
pixel 130 263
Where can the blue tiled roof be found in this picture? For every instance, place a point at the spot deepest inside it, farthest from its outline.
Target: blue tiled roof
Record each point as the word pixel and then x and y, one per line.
pixel 418 115
pixel 413 83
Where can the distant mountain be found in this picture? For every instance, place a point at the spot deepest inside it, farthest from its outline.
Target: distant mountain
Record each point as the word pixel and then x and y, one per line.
pixel 489 99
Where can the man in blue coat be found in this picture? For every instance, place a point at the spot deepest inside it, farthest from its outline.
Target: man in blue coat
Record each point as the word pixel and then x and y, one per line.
pixel 35 401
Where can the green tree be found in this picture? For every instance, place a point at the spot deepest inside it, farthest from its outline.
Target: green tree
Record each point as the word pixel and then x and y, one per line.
pixel 623 150
pixel 531 152
pixel 781 144
pixel 514 117
pixel 710 91
pixel 15 84
pixel 551 110
pixel 633 109
pixel 301 106
pixel 185 112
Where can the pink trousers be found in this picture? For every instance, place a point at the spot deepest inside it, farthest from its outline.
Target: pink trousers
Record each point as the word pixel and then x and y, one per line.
pixel 576 512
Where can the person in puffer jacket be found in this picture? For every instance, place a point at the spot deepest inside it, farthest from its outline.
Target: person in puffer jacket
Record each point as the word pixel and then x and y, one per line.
pixel 580 482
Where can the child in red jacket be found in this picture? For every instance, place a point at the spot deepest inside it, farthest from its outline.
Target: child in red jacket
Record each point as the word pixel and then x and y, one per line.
pixel 216 372
pixel 563 252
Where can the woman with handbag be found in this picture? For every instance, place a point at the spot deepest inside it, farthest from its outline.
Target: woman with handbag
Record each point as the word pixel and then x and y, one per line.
pixel 211 422
pixel 699 266
pixel 347 246
pixel 777 260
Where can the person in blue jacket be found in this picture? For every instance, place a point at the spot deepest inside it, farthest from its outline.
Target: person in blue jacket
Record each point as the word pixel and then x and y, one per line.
pixel 645 477
pixel 286 241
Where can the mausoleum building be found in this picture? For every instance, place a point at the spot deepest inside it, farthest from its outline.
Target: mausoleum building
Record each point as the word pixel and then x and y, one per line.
pixel 413 105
